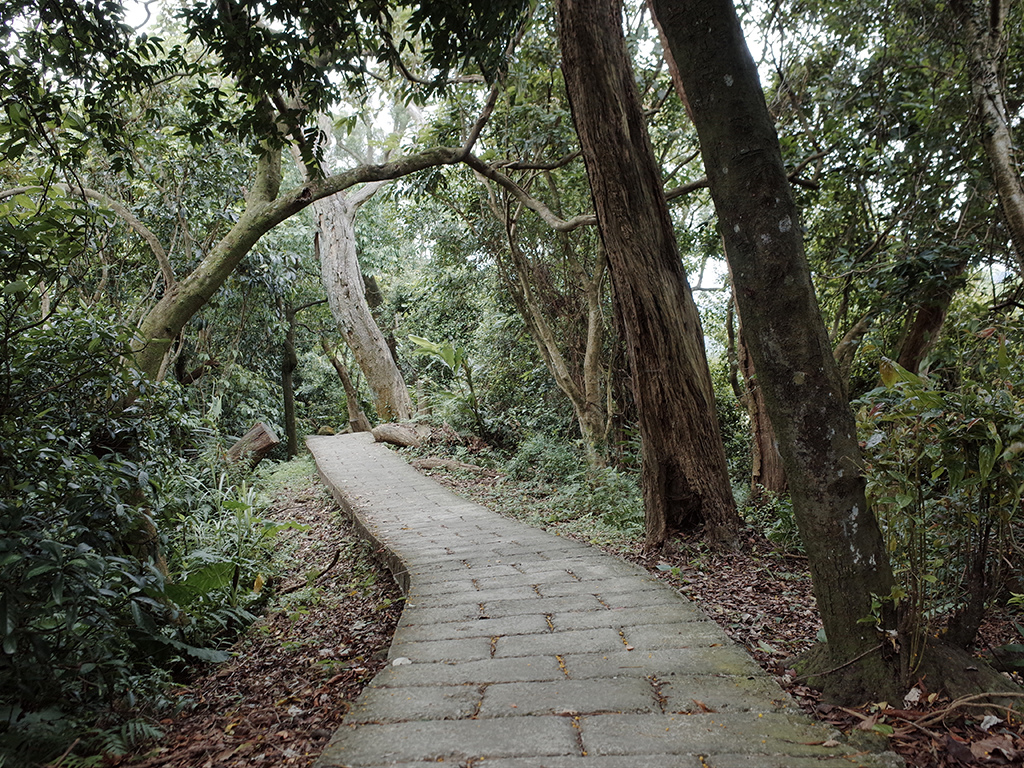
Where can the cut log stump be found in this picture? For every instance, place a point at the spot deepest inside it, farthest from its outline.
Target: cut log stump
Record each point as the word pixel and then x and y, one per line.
pixel 254 445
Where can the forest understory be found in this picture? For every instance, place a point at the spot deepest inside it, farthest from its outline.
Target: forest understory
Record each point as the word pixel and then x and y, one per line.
pixel 297 670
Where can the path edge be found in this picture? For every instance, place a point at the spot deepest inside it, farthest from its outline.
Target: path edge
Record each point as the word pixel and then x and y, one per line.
pixel 382 552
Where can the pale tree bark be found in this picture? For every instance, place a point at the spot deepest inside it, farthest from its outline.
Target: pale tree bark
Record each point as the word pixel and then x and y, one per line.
pixel 982 23
pixel 685 476
pixel 346 295
pixel 265 208
pixel 786 335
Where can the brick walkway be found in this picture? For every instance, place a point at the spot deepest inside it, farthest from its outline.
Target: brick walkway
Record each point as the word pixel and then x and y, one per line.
pixel 520 649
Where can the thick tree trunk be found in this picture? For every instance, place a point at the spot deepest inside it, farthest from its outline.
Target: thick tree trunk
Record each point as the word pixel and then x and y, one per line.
pixel 254 445
pixel 982 23
pixel 685 476
pixel 786 336
pixel 346 295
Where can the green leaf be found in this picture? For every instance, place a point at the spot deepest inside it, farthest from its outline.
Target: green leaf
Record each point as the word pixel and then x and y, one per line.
pixel 213 576
pixel 986 460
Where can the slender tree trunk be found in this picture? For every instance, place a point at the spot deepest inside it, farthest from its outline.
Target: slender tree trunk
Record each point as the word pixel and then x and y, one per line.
pixel 982 22
pixel 356 418
pixel 584 389
pixel 346 295
pixel 289 362
pixel 767 472
pixel 927 319
pixel 786 336
pixel 685 476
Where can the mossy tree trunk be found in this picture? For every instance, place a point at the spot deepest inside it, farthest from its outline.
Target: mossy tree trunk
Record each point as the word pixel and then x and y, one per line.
pixel 786 337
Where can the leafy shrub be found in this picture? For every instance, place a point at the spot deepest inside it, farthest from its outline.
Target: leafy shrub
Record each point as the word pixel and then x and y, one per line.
pixel 94 464
pixel 944 477
pixel 545 460
pixel 773 515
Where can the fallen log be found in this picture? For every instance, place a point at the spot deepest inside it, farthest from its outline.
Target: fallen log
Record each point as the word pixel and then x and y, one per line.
pixel 435 462
pixel 403 435
pixel 254 445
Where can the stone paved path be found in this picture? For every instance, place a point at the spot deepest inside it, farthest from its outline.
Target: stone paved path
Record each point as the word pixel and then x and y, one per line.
pixel 520 649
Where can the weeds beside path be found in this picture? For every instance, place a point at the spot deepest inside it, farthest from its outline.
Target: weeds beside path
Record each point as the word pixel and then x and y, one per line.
pixel 296 670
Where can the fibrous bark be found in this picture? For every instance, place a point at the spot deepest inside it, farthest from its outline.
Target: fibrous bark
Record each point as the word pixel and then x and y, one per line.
pixel 685 477
pixel 982 24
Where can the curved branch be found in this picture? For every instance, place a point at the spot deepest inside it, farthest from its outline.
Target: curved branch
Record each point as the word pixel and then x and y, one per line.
pixel 550 218
pixel 127 216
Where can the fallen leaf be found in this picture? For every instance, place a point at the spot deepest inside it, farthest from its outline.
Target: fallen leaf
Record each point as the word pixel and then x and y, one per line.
pixel 988 746
pixel 988 721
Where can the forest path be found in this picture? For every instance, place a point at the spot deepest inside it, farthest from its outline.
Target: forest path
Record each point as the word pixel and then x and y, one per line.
pixel 520 649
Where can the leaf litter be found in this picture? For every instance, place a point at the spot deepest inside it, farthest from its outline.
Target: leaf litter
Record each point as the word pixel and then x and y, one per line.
pixel 297 670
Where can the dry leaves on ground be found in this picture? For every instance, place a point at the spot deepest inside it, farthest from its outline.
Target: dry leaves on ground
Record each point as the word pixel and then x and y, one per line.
pixel 296 670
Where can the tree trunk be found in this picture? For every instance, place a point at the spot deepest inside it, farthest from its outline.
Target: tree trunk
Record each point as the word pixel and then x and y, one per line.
pixel 584 388
pixel 928 318
pixel 356 418
pixel 254 445
pixel 767 473
pixel 265 208
pixel 346 295
pixel 787 338
pixel 982 23
pixel 289 362
pixel 685 476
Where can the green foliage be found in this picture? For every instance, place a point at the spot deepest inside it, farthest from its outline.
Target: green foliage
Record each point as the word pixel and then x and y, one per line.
pixel 945 479
pixel 456 361
pixel 95 466
pixel 224 552
pixel 543 459
pixel 595 501
pixel 773 514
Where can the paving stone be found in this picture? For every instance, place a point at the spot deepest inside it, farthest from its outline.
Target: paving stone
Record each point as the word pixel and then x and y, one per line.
pixel 496 609
pixel 578 641
pixel 461 649
pixel 707 734
pixel 518 646
pixel 510 625
pixel 381 705
pixel 565 697
pixel 453 741
pixel 477 596
pixel 641 598
pixel 723 693
pixel 676 635
pixel 513 670
pixel 662 663
pixel 627 617
pixel 612 586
